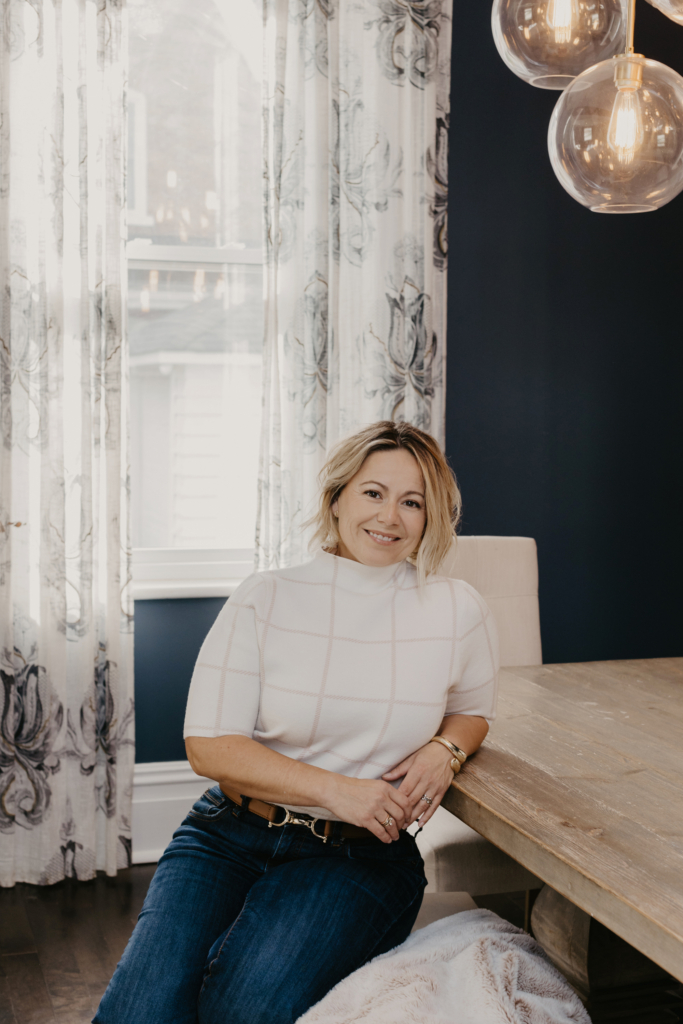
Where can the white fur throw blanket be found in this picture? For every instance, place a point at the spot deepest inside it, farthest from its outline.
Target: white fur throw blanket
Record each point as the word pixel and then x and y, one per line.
pixel 471 968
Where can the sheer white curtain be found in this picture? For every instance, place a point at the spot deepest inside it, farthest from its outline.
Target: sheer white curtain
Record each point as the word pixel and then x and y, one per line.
pixel 356 135
pixel 66 719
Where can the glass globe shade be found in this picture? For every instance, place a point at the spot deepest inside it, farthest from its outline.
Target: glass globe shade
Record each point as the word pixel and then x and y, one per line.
pixel 549 42
pixel 672 8
pixel 616 136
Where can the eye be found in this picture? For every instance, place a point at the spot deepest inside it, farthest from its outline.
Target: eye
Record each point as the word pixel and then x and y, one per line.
pixel 373 494
pixel 413 503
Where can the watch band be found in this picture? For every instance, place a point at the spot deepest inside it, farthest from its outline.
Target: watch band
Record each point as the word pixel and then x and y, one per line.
pixel 459 756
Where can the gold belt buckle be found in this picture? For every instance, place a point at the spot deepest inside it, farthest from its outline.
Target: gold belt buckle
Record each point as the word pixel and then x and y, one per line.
pixel 291 820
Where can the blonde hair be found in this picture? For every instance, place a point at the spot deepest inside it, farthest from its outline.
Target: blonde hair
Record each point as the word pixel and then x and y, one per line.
pixel 443 503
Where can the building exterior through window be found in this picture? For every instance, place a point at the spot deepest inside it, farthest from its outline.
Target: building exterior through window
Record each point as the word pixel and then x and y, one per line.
pixel 195 289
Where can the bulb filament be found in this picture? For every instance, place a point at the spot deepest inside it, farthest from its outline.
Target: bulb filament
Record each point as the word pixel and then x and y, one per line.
pixel 562 18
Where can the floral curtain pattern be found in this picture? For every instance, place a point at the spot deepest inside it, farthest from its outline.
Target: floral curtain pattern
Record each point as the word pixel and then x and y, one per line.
pixel 356 107
pixel 66 673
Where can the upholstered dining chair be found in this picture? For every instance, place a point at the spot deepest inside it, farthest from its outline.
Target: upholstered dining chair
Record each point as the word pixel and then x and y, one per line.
pixel 505 572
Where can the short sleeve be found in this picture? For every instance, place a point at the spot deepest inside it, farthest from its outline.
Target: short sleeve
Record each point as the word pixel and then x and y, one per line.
pixel 226 684
pixel 474 690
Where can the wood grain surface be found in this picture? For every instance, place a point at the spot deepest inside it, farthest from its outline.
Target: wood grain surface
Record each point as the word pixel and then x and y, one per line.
pixel 581 781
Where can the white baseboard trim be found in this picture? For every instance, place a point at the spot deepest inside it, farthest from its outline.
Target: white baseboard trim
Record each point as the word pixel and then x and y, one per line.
pixel 163 792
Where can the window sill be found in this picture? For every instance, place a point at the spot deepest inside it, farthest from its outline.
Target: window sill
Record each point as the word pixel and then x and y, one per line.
pixel 162 574
pixel 141 253
pixel 182 588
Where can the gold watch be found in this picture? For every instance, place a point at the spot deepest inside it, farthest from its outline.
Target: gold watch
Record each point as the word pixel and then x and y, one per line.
pixel 459 756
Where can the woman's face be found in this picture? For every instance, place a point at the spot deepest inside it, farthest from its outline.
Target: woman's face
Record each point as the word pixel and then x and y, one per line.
pixel 382 509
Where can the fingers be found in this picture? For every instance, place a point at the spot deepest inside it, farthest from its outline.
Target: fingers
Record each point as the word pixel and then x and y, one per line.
pixel 377 829
pixel 381 803
pixel 424 780
pixel 429 772
pixel 397 816
pixel 422 777
pixel 398 804
pixel 415 786
pixel 390 830
pixel 394 808
pixel 391 819
pixel 423 809
pixel 424 816
pixel 401 813
pixel 399 770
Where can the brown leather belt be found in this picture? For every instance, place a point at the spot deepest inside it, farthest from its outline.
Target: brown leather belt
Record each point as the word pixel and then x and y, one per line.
pixel 334 829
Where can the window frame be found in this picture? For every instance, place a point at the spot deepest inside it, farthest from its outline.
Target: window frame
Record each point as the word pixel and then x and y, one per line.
pixel 163 573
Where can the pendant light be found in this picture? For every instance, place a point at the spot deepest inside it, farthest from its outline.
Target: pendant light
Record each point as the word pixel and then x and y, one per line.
pixel 672 8
pixel 549 42
pixel 616 134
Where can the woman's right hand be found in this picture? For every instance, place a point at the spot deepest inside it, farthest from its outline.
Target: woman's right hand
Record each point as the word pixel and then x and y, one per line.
pixel 367 803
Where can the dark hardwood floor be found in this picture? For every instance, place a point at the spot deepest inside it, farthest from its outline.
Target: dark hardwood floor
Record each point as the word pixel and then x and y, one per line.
pixel 59 945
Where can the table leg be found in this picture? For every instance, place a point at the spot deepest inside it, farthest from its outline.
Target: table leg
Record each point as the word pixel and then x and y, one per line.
pixel 615 981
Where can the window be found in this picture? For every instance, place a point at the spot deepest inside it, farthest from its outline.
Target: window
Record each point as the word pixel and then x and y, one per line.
pixel 195 290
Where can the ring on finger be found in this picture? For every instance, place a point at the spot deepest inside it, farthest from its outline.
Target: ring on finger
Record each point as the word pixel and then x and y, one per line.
pixel 427 799
pixel 388 823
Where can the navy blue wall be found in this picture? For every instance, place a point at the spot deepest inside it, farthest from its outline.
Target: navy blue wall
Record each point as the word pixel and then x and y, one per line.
pixel 565 364
pixel 168 635
pixel 565 373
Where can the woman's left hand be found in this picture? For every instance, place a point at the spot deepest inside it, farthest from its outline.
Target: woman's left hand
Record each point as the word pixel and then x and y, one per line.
pixel 427 772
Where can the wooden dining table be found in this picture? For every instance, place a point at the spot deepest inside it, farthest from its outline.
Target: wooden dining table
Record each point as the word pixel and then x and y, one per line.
pixel 581 780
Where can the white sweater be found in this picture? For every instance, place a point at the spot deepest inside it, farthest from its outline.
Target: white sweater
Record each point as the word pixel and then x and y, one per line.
pixel 344 666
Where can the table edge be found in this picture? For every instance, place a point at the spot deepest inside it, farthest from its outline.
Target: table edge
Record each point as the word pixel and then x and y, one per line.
pixel 654 940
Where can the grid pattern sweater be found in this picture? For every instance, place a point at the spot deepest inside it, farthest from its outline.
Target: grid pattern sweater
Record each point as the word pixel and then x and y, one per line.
pixel 345 666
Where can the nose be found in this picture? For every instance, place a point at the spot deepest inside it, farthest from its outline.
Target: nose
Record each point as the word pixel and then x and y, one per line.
pixel 388 514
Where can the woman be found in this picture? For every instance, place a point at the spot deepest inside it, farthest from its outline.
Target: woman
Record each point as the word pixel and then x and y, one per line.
pixel 331 702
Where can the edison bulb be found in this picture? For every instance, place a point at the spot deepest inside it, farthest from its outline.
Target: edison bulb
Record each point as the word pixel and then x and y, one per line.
pixel 625 132
pixel 616 136
pixel 672 8
pixel 549 42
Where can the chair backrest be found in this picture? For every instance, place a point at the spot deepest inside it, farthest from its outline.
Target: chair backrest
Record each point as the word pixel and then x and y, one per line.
pixel 505 572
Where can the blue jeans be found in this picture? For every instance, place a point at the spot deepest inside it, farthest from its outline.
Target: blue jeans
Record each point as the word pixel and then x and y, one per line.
pixel 246 924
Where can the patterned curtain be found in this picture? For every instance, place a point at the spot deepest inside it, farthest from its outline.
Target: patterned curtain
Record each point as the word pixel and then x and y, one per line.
pixel 66 708
pixel 356 108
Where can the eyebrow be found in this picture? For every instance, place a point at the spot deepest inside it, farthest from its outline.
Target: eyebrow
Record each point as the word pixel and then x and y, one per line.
pixel 384 486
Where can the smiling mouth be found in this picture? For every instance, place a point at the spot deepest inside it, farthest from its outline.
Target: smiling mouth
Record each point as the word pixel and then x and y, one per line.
pixel 381 538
